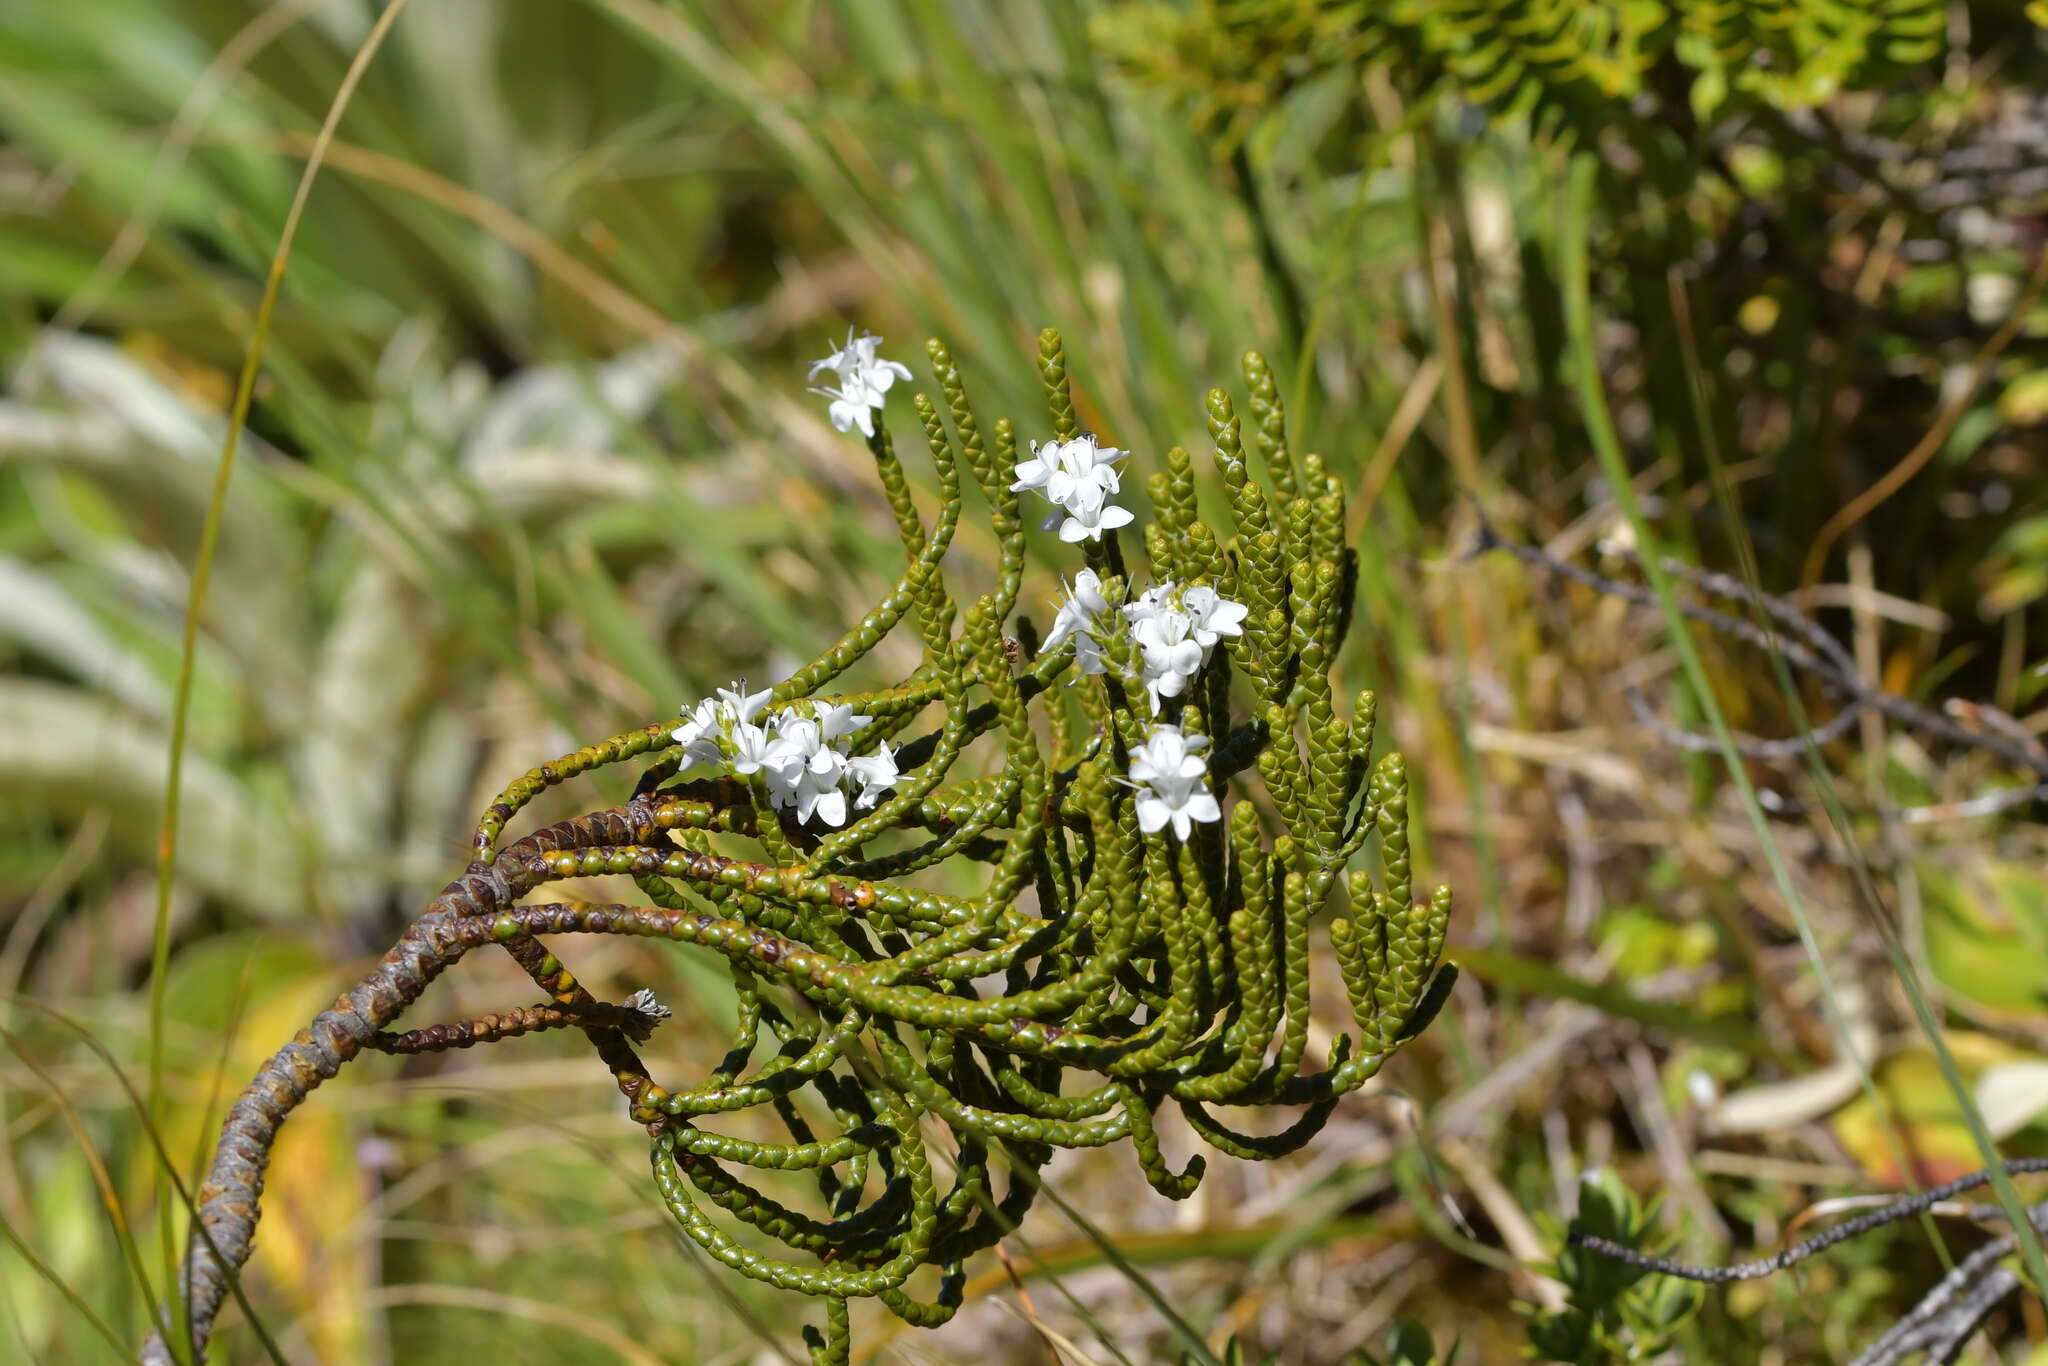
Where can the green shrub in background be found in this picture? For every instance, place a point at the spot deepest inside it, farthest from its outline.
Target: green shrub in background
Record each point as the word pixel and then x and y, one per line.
pixel 1570 66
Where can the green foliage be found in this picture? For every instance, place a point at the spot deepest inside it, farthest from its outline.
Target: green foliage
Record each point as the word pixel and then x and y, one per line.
pixel 1573 63
pixel 1614 1312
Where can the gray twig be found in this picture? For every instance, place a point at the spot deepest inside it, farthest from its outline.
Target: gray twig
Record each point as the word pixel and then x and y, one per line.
pixel 1802 644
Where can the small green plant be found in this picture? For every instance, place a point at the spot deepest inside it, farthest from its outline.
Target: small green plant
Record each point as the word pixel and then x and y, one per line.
pixel 921 1052
pixel 1614 1312
pixel 1935 1329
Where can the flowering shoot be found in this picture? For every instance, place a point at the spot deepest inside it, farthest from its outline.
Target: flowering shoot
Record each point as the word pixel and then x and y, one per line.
pixel 973 912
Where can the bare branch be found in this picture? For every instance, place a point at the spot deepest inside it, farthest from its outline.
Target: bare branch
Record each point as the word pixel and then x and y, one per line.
pixel 1904 1208
pixel 1809 649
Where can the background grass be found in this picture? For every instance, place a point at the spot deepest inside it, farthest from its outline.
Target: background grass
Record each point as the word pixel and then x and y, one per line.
pixel 530 462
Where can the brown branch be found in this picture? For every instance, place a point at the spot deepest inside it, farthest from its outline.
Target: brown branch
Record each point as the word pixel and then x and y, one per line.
pixel 228 1201
pixel 636 1017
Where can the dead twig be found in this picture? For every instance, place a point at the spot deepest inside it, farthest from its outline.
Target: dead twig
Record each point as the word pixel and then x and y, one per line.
pixel 1803 645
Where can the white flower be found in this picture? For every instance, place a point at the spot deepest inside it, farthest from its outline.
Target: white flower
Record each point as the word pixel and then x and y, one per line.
pixel 803 772
pixel 717 723
pixel 797 738
pixel 1149 604
pixel 1168 654
pixel 1169 756
pixel 743 705
pixel 864 380
pixel 1076 620
pixel 1172 779
pixel 1171 654
pixel 877 773
pixel 699 735
pixel 847 411
pixel 1211 615
pixel 1087 657
pixel 801 752
pixel 1059 469
pixel 1078 476
pixel 818 790
pixel 750 747
pixel 1078 613
pixel 860 362
pixel 784 773
pixel 1087 517
pixel 1175 630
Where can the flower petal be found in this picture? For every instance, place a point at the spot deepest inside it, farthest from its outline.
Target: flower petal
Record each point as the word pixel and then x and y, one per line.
pixel 1152 813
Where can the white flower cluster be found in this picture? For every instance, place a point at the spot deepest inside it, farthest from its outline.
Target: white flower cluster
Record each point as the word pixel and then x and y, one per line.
pixel 802 752
pixel 1078 477
pixel 1174 628
pixel 864 380
pixel 1172 779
